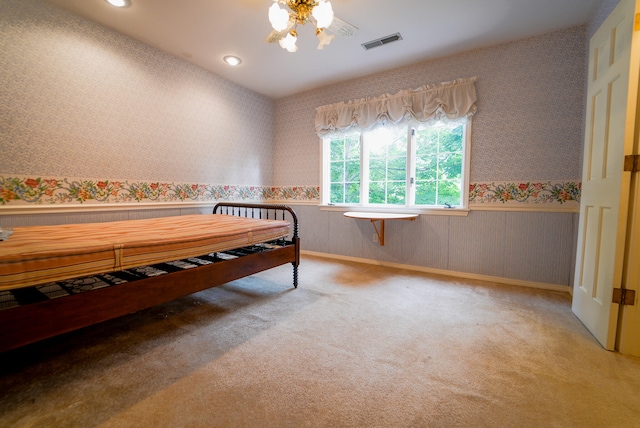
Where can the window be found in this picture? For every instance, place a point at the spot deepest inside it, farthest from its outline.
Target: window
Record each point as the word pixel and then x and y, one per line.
pixel 413 154
pixel 417 166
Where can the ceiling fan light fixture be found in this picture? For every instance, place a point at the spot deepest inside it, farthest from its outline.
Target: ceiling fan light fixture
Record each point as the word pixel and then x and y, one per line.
pixel 318 12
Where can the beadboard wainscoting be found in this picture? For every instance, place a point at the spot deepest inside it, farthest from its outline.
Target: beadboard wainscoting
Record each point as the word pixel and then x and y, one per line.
pixel 517 247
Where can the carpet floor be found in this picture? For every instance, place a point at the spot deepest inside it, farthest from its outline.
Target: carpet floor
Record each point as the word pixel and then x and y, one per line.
pixel 354 346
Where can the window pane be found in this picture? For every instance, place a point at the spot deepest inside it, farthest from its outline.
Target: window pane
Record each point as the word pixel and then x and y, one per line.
pixel 451 139
pixel 449 192
pixel 376 192
pixel 337 172
pixel 337 150
pixel 344 168
pixel 396 192
pixel 353 148
pixel 450 165
pixel 398 146
pixel 425 193
pixel 377 169
pixel 439 165
pixel 353 193
pixel 337 194
pixel 352 171
pixel 387 151
pixel 427 141
pixel 397 168
pixel 377 149
pixel 426 168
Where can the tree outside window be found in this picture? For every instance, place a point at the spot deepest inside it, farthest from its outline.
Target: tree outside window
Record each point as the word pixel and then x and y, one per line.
pixel 398 165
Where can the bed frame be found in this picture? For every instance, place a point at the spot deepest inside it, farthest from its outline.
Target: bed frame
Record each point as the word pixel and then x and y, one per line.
pixel 32 322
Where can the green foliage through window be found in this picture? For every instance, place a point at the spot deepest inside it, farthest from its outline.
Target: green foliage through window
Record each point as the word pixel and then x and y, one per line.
pixel 345 170
pixel 398 166
pixel 439 165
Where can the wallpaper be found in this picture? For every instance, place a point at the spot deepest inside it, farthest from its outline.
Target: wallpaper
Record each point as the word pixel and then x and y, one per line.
pixel 528 126
pixel 79 100
pixel 109 119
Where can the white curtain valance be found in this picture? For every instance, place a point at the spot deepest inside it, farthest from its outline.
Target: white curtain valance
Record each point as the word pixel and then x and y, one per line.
pixel 453 100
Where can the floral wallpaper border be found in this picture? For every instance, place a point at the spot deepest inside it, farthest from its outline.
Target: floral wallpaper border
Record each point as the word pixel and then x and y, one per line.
pixel 529 192
pixel 26 191
pixel 16 190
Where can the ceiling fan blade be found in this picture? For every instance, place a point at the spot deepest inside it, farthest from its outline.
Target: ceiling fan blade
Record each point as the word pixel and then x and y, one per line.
pixel 274 36
pixel 342 28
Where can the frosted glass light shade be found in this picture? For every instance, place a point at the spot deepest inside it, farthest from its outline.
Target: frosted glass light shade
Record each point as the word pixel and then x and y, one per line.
pixel 279 18
pixel 323 13
pixel 324 38
pixel 289 43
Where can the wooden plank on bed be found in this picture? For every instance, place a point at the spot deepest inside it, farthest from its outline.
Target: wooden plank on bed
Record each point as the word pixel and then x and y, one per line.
pixel 27 324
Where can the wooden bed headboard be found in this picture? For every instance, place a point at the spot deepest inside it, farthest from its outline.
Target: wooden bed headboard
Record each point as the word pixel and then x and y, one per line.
pixel 266 211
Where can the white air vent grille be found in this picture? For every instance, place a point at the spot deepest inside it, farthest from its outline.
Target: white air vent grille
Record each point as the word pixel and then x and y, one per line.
pixel 382 41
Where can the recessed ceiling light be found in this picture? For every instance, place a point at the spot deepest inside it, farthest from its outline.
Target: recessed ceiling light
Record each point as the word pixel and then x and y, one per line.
pixel 119 3
pixel 232 60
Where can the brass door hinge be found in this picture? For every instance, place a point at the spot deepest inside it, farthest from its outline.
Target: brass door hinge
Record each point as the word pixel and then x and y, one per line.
pixel 632 163
pixel 624 296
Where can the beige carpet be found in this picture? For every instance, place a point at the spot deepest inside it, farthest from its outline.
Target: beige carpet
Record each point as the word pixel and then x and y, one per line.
pixel 354 345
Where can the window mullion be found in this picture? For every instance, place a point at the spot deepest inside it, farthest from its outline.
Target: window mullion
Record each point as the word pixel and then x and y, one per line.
pixel 411 166
pixel 345 157
pixel 386 175
pixel 364 171
pixel 438 170
pixel 466 164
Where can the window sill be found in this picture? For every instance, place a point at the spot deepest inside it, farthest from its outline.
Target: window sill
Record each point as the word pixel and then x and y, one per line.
pixel 462 212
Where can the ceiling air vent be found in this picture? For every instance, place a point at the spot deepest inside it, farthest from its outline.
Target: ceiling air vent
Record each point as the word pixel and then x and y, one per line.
pixel 382 41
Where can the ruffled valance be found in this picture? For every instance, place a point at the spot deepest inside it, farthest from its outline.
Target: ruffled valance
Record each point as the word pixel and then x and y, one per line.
pixel 454 100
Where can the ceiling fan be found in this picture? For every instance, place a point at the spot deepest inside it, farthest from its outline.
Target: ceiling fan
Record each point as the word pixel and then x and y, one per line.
pixel 299 12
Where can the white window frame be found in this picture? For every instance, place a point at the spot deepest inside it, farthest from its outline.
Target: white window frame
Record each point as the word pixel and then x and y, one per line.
pixel 325 175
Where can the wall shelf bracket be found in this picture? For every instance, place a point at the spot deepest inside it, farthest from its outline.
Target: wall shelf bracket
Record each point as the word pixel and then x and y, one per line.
pixel 379 217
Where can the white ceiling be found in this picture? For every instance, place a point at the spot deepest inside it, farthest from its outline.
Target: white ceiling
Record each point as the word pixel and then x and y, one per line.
pixel 204 31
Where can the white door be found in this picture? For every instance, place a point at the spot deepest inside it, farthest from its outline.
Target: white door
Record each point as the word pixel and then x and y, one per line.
pixel 609 135
pixel 628 341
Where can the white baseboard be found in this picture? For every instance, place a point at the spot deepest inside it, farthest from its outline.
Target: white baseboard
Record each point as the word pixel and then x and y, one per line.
pixel 500 280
